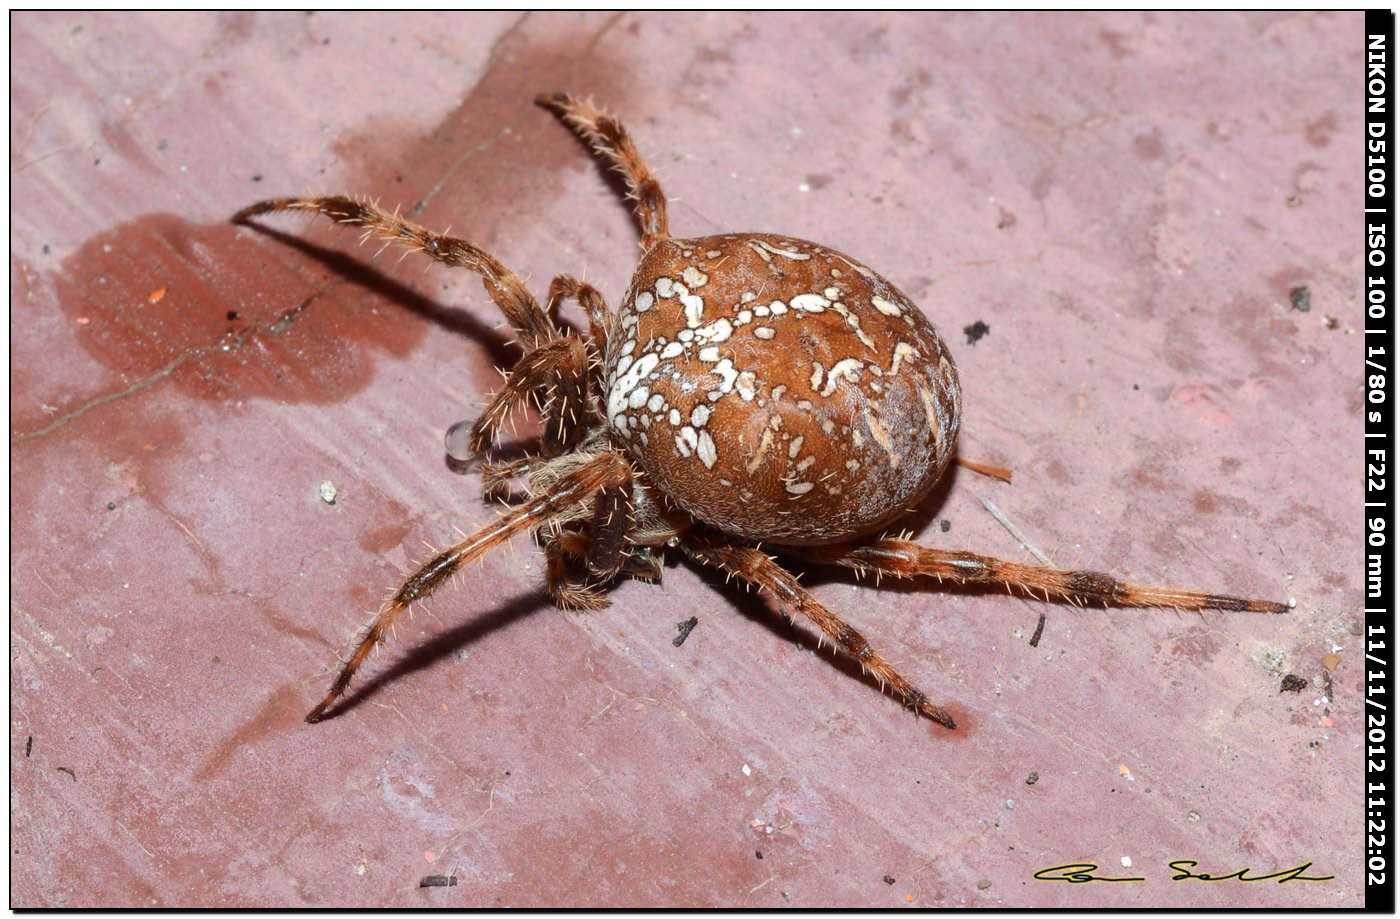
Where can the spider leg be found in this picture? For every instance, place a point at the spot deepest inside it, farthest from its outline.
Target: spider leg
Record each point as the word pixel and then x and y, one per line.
pixel 600 318
pixel 497 477
pixel 751 565
pixel 614 519
pixel 555 374
pixel 905 559
pixel 609 139
pixel 571 490
pixel 604 550
pixel 567 592
pixel 531 323
pixel 990 471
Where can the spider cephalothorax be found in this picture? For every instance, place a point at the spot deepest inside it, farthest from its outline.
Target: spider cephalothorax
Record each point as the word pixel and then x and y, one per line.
pixel 749 388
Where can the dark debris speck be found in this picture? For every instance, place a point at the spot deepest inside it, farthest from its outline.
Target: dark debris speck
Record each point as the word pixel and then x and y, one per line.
pixel 1301 298
pixel 684 629
pixel 1292 683
pixel 1033 777
pixel 945 525
pixel 888 879
pixel 439 880
pixel 976 332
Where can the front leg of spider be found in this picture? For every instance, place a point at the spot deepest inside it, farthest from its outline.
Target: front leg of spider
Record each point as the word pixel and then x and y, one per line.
pixel 605 471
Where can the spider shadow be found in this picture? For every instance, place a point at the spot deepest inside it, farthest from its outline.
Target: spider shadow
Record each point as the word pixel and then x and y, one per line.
pixel 753 605
pixel 501 349
pixel 440 646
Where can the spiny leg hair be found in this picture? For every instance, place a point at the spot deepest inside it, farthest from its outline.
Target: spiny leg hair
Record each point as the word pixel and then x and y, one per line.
pixel 756 568
pixel 601 472
pixel 905 559
pixel 610 140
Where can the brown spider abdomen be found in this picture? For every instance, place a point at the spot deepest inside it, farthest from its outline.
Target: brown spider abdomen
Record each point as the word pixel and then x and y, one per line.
pixel 777 389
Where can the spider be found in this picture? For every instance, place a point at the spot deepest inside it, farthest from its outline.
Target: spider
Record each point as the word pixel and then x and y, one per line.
pixel 751 391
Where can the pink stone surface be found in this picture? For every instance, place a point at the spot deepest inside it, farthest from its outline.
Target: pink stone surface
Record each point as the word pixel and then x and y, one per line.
pixel 1126 200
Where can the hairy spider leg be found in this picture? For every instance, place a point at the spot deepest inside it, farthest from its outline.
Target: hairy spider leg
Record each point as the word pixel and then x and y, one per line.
pixel 609 139
pixel 614 520
pixel 636 562
pixel 600 318
pixel 605 470
pixel 569 592
pixel 905 559
pixel 532 324
pixel 753 566
pixel 990 471
pixel 555 375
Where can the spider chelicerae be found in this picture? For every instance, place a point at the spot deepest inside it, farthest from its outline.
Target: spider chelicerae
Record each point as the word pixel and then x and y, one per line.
pixel 751 392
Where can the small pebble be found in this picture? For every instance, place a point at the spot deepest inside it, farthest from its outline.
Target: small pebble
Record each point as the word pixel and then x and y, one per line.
pixel 327 491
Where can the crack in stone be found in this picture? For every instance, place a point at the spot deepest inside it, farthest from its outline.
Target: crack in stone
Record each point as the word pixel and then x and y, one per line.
pixel 276 327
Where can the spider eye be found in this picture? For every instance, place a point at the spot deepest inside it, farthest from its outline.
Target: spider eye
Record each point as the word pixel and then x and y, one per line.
pixel 458 441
